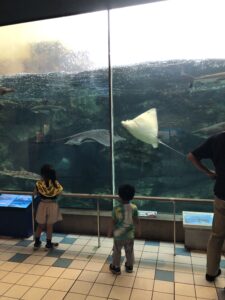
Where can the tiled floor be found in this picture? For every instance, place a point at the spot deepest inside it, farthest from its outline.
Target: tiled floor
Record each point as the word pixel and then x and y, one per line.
pixel 78 270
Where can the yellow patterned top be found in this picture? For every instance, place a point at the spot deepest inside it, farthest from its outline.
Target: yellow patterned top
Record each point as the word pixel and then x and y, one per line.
pixel 51 190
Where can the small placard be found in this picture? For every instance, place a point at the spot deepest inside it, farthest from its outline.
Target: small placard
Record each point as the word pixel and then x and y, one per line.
pixel 192 219
pixel 147 213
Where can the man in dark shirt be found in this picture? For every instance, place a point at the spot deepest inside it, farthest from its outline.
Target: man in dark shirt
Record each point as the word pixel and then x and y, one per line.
pixel 214 149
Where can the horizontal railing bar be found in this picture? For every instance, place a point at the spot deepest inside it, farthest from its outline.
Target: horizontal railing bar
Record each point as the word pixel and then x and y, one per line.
pixel 108 196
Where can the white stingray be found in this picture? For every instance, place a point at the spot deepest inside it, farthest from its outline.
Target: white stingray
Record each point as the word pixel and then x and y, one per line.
pixel 145 128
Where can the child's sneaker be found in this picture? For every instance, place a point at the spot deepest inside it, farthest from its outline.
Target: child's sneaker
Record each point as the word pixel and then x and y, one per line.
pixel 129 269
pixel 50 245
pixel 37 244
pixel 114 270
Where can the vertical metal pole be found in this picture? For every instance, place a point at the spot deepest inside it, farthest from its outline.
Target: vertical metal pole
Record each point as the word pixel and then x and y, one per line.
pixel 174 228
pixel 98 223
pixel 32 208
pixel 111 110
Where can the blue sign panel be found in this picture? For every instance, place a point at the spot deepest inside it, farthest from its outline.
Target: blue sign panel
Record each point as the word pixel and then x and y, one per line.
pixel 19 201
pixel 197 219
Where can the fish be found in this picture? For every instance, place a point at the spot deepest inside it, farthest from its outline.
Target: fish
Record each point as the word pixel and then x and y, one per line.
pixel 46 109
pixel 214 77
pixel 21 174
pixel 100 136
pixel 145 128
pixel 5 90
pixel 210 130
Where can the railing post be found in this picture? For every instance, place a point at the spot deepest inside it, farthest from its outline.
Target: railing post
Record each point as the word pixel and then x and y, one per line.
pixel 174 228
pixel 32 208
pixel 98 223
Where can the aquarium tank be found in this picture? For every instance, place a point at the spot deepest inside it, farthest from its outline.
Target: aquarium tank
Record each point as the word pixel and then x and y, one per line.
pixel 65 90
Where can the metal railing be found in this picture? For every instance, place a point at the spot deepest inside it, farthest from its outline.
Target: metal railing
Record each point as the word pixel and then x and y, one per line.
pixel 108 196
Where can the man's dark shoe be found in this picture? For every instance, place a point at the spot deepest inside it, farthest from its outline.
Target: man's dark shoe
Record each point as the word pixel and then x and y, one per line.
pixel 114 270
pixel 129 269
pixel 211 278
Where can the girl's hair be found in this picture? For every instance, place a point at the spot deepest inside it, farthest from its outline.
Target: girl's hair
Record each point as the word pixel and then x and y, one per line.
pixel 48 173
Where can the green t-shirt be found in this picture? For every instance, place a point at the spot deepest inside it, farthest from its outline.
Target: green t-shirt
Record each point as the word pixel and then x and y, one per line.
pixel 123 217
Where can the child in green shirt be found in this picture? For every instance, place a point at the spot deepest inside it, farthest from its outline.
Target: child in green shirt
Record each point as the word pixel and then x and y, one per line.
pixel 123 218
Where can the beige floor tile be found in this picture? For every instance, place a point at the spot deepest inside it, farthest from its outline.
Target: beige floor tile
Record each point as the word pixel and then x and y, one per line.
pixel 88 276
pixel 162 296
pixel 150 248
pixel 69 256
pixel 184 289
pixel 81 241
pixel 185 268
pixel 70 274
pixel 183 259
pixel 165 257
pixel 84 256
pixel 165 286
pixel 140 295
pixel 45 282
pixel 8 266
pixel 147 264
pixel 106 278
pixel 100 290
pixel 166 266
pixel 62 284
pixel 125 281
pixel 74 296
pixel 148 255
pixel 56 295
pixel 54 272
pixel 184 278
pixel 166 250
pixel 143 283
pixel 34 294
pixel 94 266
pixel 81 287
pixel 12 277
pixel 6 256
pixel 166 244
pixel 95 298
pixel 198 269
pixel 146 273
pixel 89 249
pixel 179 297
pixel 198 253
pixel 47 261
pixel 4 287
pixel 17 291
pixel 104 250
pixel 99 258
pixel 40 252
pixel 75 248
pixel 105 268
pixel 138 247
pixel 121 293
pixel 23 268
pixel 219 282
pixel 3 274
pixel 206 292
pixel 200 280
pixel 33 259
pixel 78 264
pixel 28 280
pixel 199 261
pixel 38 270
pixel 63 246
